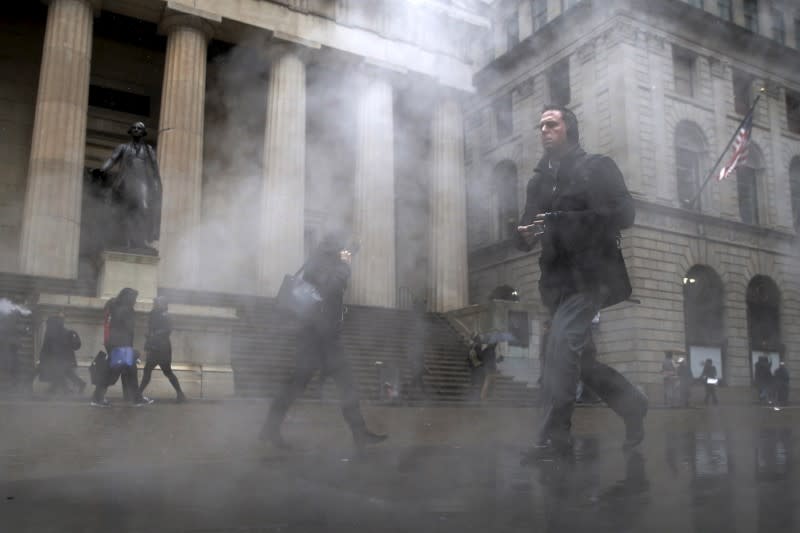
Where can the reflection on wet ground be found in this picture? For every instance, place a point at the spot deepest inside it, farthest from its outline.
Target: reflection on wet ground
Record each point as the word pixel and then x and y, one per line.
pixel 684 478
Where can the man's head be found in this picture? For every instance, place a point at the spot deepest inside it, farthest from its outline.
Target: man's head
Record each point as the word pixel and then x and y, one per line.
pixel 137 130
pixel 559 129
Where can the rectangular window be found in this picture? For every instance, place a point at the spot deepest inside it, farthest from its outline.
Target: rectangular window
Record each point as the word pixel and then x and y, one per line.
pixel 539 14
pixel 793 111
pixel 696 3
pixel 687 169
pixel 683 65
pixel 748 198
pixel 742 92
pixel 751 15
pixel 558 83
pixel 567 4
pixel 725 10
pixel 778 26
pixel 503 116
pixel 512 30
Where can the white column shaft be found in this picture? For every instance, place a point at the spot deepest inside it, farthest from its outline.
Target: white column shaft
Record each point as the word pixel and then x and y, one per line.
pixel 374 277
pixel 52 213
pixel 448 210
pixel 283 193
pixel 180 153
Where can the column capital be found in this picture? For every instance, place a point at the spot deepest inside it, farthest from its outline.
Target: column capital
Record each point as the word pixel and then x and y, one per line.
pixel 178 15
pixel 279 47
pixel 96 5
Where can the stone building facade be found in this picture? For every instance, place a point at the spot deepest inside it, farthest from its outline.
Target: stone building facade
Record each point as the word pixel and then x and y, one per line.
pixel 661 87
pixel 274 121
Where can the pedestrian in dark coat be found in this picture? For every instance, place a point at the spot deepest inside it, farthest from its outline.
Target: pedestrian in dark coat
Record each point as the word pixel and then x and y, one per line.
pixel 781 379
pixel 159 347
pixel 57 362
pixel 762 376
pixel 709 378
pixel 685 379
pixel 121 355
pixel 577 203
pixel 319 346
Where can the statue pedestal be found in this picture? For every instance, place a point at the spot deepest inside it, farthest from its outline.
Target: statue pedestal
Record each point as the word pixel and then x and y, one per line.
pixel 124 269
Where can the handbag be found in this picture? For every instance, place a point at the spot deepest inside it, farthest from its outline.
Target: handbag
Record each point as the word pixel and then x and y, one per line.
pixel 298 297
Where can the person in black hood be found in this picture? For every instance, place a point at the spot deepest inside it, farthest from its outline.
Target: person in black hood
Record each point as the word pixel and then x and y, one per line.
pixel 159 347
pixel 319 346
pixel 57 361
pixel 577 203
pixel 121 355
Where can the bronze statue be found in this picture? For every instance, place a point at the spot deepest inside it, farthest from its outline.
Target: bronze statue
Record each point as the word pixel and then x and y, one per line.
pixel 135 191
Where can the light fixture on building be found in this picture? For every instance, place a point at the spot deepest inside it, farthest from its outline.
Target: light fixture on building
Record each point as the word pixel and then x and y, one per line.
pixel 687 281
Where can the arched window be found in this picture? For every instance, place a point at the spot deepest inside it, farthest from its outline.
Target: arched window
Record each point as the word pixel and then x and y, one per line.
pixel 747 177
pixel 690 154
pixel 794 187
pixel 703 309
pixel 504 180
pixel 763 320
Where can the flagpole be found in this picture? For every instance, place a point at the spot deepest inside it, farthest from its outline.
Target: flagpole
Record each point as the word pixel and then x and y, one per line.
pixel 725 151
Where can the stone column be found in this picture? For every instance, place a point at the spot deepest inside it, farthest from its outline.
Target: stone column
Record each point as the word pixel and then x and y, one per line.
pixel 180 146
pixel 284 172
pixel 448 210
pixel 52 214
pixel 374 276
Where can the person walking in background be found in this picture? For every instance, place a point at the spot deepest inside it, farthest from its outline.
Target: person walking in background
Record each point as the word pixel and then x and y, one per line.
pixel 159 348
pixel 577 204
pixel 121 355
pixel 319 347
pixel 670 378
pixel 709 378
pixel 490 359
pixel 762 377
pixel 57 360
pixel 685 379
pixel 781 379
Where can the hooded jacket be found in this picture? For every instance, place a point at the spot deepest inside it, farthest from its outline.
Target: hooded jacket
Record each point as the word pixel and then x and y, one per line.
pixel 587 204
pixel 330 275
pixel 123 320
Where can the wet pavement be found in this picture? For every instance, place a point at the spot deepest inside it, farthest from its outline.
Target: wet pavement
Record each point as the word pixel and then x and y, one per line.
pixel 199 468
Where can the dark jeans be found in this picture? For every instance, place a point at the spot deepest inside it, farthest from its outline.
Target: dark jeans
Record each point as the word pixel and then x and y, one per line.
pixel 323 352
pixel 166 368
pixel 129 377
pixel 711 393
pixel 570 357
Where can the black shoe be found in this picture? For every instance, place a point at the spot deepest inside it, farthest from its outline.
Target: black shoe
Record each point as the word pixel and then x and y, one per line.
pixel 367 437
pixel 547 450
pixel 181 398
pixel 275 439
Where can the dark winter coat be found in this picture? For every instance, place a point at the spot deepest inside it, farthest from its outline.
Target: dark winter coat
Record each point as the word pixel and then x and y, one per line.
pixel 159 328
pixel 588 204
pixel 122 321
pixel 763 373
pixel 58 350
pixel 330 275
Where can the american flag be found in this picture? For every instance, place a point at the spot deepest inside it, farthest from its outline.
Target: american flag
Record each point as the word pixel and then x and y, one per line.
pixel 740 146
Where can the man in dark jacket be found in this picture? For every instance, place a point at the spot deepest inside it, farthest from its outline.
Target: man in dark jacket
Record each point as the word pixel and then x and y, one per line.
pixel 577 203
pixel 781 379
pixel 121 355
pixel 319 347
pixel 57 360
pixel 159 347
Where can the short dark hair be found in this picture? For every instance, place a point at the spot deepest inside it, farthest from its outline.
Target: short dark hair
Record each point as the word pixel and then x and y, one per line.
pixel 570 120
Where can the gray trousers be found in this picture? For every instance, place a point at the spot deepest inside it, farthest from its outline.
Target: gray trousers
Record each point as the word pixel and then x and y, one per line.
pixel 570 356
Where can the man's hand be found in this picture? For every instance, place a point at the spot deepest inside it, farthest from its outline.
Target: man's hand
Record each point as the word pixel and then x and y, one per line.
pixel 346 256
pixel 534 230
